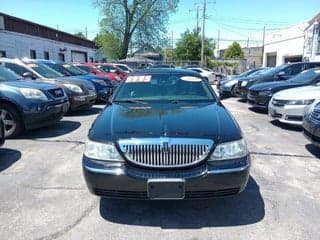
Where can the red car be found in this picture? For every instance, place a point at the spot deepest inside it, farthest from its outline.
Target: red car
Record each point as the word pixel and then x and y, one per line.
pixel 93 68
pixel 112 68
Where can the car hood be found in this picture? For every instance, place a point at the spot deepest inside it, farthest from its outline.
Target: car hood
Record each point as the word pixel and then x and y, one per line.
pixel 274 85
pixel 123 121
pixel 89 77
pixel 300 93
pixel 29 84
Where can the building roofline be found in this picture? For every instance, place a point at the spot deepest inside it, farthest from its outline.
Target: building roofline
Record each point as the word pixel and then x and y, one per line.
pixel 44 27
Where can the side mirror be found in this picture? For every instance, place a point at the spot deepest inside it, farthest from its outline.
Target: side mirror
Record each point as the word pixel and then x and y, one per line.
pixel 282 75
pixel 29 75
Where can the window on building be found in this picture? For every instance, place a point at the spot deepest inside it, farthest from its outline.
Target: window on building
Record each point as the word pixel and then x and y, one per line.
pixel 33 54
pixel 61 57
pixel 3 54
pixel 46 55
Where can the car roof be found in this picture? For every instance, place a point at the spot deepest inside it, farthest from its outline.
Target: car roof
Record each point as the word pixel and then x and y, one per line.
pixel 166 70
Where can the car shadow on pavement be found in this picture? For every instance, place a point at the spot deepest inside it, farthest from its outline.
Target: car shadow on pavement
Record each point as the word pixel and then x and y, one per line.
pixel 241 100
pixel 60 128
pixel 286 126
pixel 314 150
pixel 8 157
pixel 91 111
pixel 245 208
pixel 258 110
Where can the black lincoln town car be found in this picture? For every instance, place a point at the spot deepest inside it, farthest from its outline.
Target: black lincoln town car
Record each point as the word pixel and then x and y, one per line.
pixel 165 135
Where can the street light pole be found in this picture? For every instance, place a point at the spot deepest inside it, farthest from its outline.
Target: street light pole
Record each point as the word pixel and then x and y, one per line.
pixel 203 32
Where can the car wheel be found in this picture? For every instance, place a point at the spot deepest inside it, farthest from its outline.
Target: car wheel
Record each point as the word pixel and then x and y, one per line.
pixel 12 121
pixel 233 91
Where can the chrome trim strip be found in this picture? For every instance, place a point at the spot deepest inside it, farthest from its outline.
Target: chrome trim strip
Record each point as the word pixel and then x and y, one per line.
pixel 119 171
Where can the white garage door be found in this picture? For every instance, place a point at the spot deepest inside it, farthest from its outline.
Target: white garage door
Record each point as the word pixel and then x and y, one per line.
pixel 78 57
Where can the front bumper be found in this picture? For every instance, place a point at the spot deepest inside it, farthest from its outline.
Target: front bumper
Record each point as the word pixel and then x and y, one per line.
pixel 290 114
pixel 82 102
pixel 311 130
pixel 225 91
pixel 241 92
pixel 49 115
pixel 122 180
pixel 258 101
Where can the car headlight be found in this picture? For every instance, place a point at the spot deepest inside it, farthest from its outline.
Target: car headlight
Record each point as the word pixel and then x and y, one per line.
pixel 31 93
pixel 301 102
pixel 102 151
pixel 100 81
pixel 230 150
pixel 265 93
pixel 73 88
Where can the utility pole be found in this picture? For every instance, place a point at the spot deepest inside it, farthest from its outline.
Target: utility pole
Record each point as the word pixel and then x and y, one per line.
pixel 172 46
pixel 263 39
pixel 248 43
pixel 57 26
pixel 218 44
pixel 203 31
pixel 86 31
pixel 197 10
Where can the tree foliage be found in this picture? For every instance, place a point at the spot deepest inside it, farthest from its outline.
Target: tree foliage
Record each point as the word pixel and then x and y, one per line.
pixel 136 22
pixel 233 51
pixel 80 34
pixel 189 47
pixel 109 44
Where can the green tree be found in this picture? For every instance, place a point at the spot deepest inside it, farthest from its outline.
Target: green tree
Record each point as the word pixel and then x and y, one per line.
pixel 233 51
pixel 136 21
pixel 80 34
pixel 189 47
pixel 110 45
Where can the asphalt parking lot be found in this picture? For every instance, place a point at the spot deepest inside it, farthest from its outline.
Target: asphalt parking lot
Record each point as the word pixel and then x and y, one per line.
pixel 43 193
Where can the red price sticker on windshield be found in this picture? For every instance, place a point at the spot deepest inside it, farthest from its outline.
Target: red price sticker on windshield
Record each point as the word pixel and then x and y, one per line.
pixel 138 79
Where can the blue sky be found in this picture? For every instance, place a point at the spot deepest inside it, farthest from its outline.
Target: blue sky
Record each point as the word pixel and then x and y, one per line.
pixel 236 20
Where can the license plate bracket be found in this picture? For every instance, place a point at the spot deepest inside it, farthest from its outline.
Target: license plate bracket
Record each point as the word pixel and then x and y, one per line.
pixel 166 189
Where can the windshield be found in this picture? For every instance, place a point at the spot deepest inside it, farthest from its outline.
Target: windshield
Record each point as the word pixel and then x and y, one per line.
pixel 73 70
pixel 8 75
pixel 44 70
pixel 57 68
pixel 306 76
pixel 124 68
pixel 276 69
pixel 164 87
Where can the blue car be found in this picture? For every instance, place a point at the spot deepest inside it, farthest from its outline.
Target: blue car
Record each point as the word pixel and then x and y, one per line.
pixel 26 105
pixel 103 86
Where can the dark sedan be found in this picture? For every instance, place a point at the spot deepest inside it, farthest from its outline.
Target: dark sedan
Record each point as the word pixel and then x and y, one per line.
pixel 311 125
pixel 280 73
pixel 2 137
pixel 260 94
pixel 147 144
pixel 26 105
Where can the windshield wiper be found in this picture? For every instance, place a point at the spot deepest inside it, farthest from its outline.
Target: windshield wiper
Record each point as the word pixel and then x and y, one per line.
pixel 130 101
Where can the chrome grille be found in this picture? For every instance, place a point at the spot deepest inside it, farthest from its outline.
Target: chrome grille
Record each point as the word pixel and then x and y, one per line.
pixel 315 114
pixel 165 152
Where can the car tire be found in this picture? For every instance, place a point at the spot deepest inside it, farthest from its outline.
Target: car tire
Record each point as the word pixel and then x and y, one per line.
pixel 12 120
pixel 233 91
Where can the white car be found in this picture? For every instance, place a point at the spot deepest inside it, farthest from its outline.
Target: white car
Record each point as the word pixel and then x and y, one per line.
pixel 289 106
pixel 209 75
pixel 124 67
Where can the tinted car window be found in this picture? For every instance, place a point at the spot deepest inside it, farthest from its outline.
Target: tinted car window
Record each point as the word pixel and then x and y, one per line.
pixel 85 68
pixel 45 71
pixel 164 87
pixel 294 69
pixel 306 76
pixel 312 65
pixel 17 68
pixel 73 69
pixel 8 75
